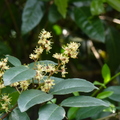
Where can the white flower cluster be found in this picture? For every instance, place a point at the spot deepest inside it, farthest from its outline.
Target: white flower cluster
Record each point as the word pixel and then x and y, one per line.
pixel 3 67
pixel 23 85
pixel 43 44
pixel 70 51
pixel 5 102
pixel 48 83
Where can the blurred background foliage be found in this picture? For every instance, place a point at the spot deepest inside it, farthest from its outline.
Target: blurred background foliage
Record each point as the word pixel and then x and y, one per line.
pixel 94 24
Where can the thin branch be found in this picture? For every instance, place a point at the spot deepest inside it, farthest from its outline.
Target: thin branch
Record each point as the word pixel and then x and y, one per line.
pixel 114 20
pixel 96 54
pixel 101 87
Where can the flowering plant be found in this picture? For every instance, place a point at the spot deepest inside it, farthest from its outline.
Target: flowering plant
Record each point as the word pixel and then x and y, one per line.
pixel 24 86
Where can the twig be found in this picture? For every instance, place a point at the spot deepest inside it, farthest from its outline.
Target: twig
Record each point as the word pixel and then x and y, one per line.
pixel 96 54
pixel 105 84
pixel 114 20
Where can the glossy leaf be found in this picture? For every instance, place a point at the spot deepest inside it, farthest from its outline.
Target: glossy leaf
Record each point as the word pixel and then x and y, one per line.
pixel 32 97
pixel 114 3
pixel 106 73
pixel 62 6
pixel 13 60
pixel 97 7
pixel 56 79
pixel 51 112
pixel 116 93
pixel 104 94
pixel 113 47
pixel 17 115
pixel 16 74
pixel 92 26
pixel 83 101
pixel 32 15
pixel 86 112
pixel 72 85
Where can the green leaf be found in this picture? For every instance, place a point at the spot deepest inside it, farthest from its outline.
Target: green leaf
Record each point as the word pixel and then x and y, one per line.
pixel 86 112
pixel 97 7
pixel 115 4
pixel 72 113
pixel 43 62
pixel 54 15
pixel 116 93
pixel 14 97
pixel 16 74
pixel 56 79
pixel 92 26
pixel 72 85
pixel 62 6
pixel 106 73
pixel 51 112
pixel 13 60
pixel 99 83
pixel 8 90
pixel 32 97
pixel 57 29
pixel 113 47
pixel 104 94
pixel 83 101
pixel 32 15
pixel 17 115
pixel 4 48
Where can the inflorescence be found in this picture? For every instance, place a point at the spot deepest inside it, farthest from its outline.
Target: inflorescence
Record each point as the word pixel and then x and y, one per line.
pixel 43 71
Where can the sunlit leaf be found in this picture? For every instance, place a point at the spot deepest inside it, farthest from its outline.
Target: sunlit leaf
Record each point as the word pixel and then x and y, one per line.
pixel 106 73
pixel 114 3
pixel 104 94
